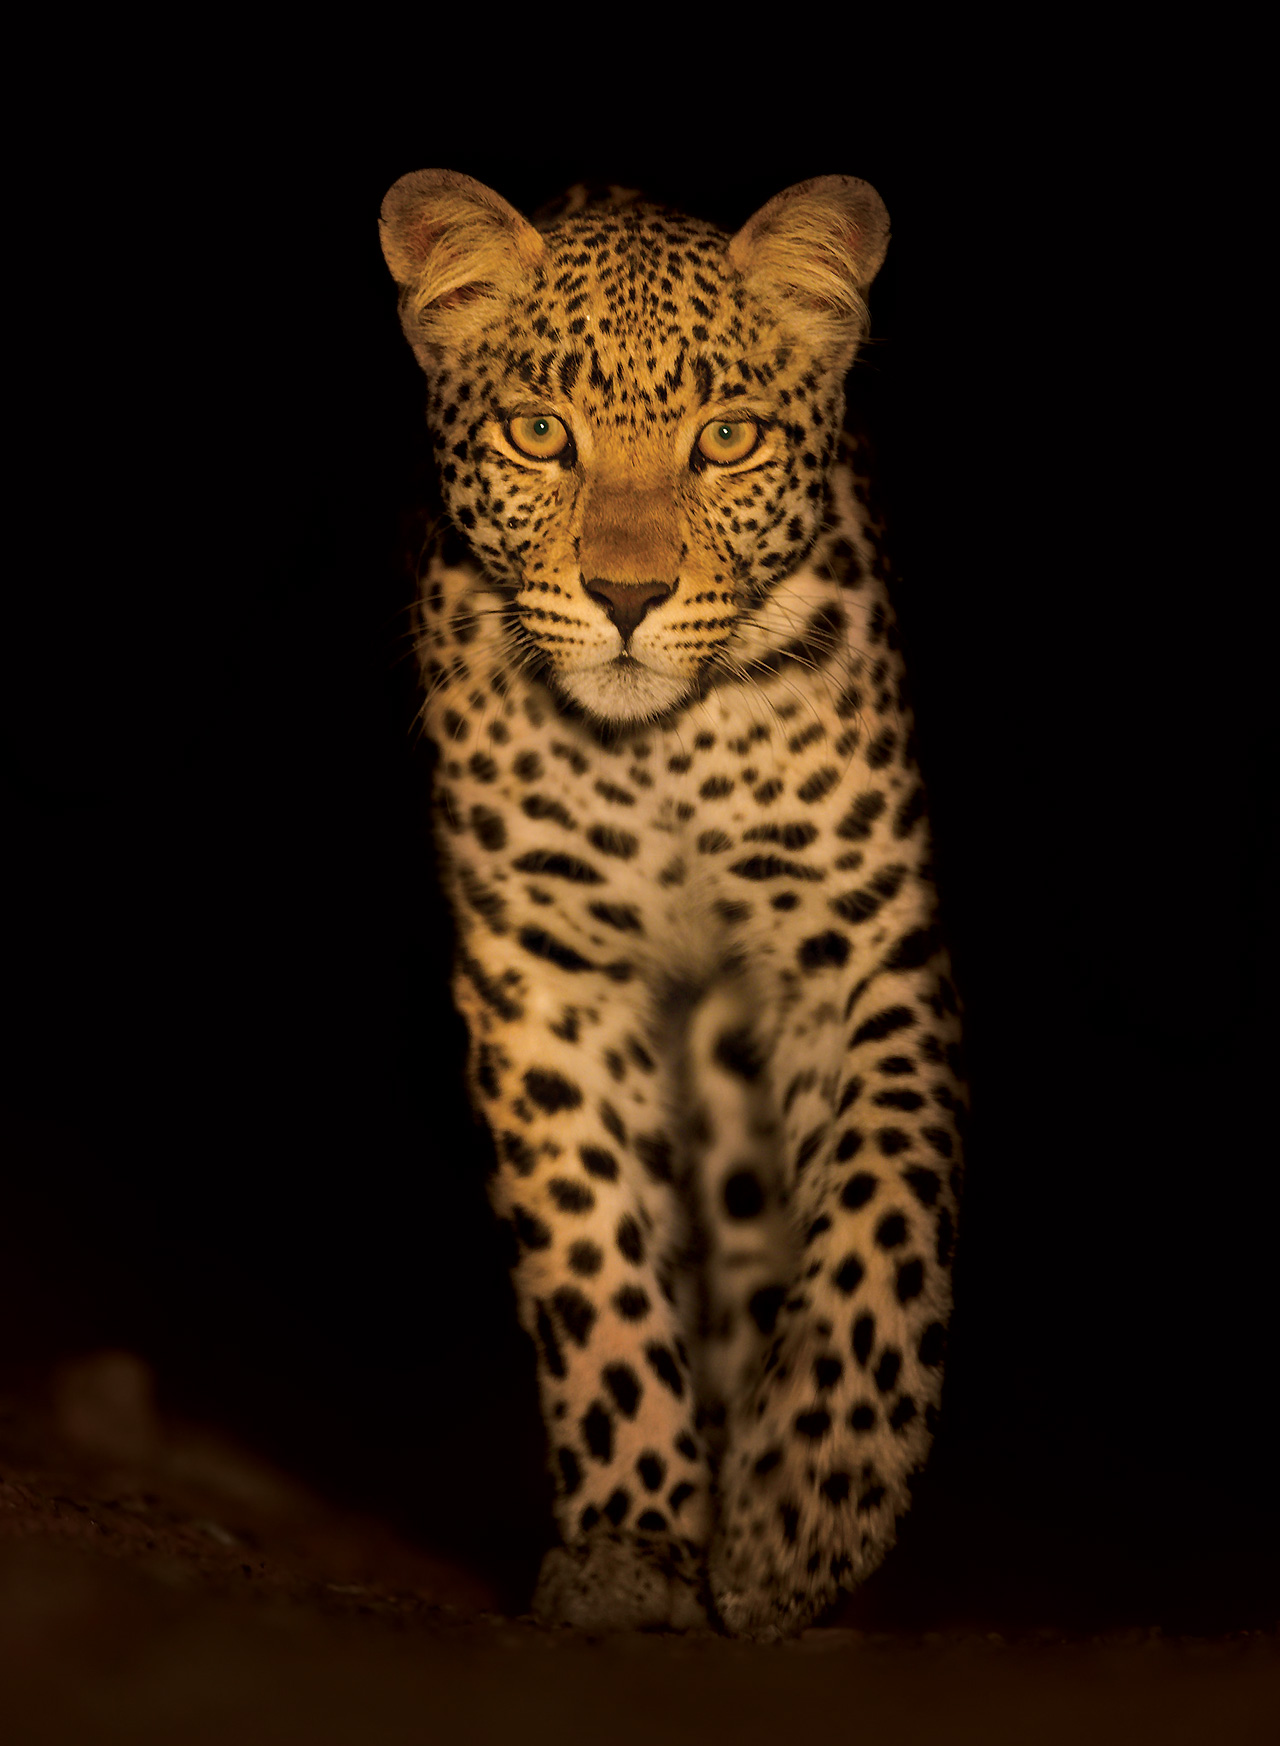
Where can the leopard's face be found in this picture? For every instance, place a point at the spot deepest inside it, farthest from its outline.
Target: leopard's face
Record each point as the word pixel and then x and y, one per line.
pixel 636 448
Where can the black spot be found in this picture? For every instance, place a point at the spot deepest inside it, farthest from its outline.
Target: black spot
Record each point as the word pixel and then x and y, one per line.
pixel 652 1470
pixel 736 1051
pixel 571 1197
pixel 809 1145
pixel 848 1276
pixel 631 1303
pixel 827 1371
pixel 713 842
pixel 898 1097
pixel 909 813
pixel 623 916
pixel 528 766
pixel 663 1364
pixel 613 1123
pixel 530 1231
pixel 790 1518
pixel 864 1338
pixel 558 867
pixel 610 841
pixel 858 1190
pixel 618 1505
pixel 870 1499
pixel 551 1091
pixel 515 1152
pixel 538 806
pixel 924 1184
pixel 764 1304
pixel 716 787
pixel 597 1162
pixel 588 1519
pixel 817 1227
pixel 597 1432
pixel 881 749
pixel 835 1487
pixel 585 1259
pixel 855 826
pixel 910 1280
pixel 652 1522
pixel 882 1024
pixel 823 950
pixel 790 836
pixel 570 1472
pixel 891 1141
pixel 814 1424
pixel 680 1494
pixel 486 1071
pixel 549 1342
pixel 630 1239
pixel 940 1140
pixel 624 1385
pixel 820 783
pixel 772 867
pixel 886 1371
pixel 891 1232
pixel 860 905
pixel 851 1093
pixel 654 1152
pixel 542 945
pixel 850 1144
pixel 767 1462
pixel 913 949
pixel 862 1417
pixel 902 1414
pixel 743 1196
pixel 490 830
pixel 576 1312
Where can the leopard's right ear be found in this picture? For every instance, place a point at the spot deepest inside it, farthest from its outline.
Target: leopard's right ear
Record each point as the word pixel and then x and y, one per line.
pixel 457 251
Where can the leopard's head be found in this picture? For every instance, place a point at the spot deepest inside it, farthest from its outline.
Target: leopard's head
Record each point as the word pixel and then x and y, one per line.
pixel 634 414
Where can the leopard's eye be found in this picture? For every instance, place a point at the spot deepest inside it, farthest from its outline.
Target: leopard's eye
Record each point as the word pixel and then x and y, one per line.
pixel 542 438
pixel 726 441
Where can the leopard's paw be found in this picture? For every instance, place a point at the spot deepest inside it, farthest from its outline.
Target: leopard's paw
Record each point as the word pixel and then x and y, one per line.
pixel 621 1582
pixel 808 1509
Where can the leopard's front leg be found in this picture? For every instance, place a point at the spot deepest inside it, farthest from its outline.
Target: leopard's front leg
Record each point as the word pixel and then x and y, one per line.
pixel 573 1089
pixel 823 1447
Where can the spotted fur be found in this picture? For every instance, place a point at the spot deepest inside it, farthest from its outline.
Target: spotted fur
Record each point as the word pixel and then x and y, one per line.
pixel 712 1027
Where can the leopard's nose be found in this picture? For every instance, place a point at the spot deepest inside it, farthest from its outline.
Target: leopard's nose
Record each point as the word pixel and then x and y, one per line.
pixel 627 602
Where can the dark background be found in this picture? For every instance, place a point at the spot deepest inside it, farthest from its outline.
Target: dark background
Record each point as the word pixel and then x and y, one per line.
pixel 238 1139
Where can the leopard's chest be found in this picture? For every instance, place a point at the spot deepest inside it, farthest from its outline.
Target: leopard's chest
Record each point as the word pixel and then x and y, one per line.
pixel 670 851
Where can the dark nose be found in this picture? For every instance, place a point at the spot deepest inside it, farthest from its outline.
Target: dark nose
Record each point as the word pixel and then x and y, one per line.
pixel 627 602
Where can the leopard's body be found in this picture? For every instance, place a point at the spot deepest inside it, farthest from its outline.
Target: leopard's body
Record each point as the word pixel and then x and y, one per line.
pixel 711 1024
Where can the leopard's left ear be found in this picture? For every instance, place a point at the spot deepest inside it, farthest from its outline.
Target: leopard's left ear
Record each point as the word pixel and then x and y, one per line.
pixel 814 249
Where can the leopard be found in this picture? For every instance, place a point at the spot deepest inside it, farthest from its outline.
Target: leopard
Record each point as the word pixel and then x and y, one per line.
pixel 713 1033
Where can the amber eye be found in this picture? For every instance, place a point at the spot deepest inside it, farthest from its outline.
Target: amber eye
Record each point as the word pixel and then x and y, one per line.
pixel 542 437
pixel 726 441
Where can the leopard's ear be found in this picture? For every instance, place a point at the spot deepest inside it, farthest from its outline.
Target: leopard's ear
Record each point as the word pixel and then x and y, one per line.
pixel 812 251
pixel 457 251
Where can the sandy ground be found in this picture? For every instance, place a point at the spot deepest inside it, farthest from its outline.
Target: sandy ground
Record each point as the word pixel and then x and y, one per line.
pixel 158 1584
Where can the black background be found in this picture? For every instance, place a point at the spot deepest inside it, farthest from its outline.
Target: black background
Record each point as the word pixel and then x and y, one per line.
pixel 239 1140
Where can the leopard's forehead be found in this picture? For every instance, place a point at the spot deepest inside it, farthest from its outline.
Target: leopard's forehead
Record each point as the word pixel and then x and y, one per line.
pixel 646 299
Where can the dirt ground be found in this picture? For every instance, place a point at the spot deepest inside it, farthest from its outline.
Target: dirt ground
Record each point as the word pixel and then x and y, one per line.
pixel 159 1584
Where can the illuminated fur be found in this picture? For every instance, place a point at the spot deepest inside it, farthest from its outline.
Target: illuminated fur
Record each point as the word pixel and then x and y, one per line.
pixel 712 1028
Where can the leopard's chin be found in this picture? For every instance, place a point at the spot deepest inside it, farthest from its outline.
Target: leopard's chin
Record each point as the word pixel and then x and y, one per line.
pixel 624 690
